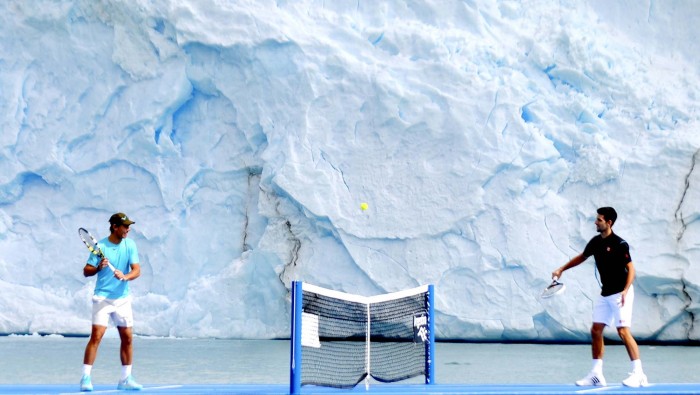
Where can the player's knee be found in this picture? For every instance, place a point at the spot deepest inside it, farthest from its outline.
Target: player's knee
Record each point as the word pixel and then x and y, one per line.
pixel 597 331
pixel 97 333
pixel 125 334
pixel 624 332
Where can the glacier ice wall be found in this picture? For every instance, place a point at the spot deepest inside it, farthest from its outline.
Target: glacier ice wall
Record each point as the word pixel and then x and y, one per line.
pixel 243 136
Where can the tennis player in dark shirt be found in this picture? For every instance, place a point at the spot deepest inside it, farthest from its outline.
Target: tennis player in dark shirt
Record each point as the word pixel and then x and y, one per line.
pixel 614 305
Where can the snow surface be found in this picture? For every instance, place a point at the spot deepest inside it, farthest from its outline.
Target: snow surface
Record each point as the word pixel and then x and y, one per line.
pixel 242 137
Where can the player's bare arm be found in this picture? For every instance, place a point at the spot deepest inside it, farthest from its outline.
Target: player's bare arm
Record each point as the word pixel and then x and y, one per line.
pixel 575 261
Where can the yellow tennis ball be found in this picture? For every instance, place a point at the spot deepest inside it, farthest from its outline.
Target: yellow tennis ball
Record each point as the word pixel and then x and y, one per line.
pixel 364 206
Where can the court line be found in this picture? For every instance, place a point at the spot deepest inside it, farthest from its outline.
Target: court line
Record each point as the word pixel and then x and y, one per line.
pixel 599 389
pixel 163 387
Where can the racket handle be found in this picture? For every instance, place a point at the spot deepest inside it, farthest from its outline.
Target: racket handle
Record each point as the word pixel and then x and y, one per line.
pixel 555 278
pixel 113 269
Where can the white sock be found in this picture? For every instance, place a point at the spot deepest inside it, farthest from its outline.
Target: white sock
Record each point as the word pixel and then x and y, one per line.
pixel 126 371
pixel 87 369
pixel 637 366
pixel 597 366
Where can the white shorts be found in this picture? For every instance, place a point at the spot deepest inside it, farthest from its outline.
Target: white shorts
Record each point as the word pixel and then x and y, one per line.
pixel 607 310
pixel 119 310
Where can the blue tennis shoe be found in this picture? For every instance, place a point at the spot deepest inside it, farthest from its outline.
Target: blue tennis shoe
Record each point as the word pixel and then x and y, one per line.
pixel 86 383
pixel 129 384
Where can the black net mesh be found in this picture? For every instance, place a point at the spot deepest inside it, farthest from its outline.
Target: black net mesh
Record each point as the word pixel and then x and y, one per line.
pixel 397 352
pixel 340 357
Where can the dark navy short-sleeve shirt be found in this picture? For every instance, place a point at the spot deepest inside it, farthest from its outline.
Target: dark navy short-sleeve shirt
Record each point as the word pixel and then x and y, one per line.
pixel 612 254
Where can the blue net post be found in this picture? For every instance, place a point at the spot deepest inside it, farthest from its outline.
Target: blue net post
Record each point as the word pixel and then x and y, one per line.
pixel 295 339
pixel 430 346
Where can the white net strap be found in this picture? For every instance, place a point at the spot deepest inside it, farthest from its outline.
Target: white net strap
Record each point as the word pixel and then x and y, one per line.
pixel 364 299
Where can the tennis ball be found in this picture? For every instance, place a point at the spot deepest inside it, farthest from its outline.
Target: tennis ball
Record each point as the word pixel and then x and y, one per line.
pixel 364 206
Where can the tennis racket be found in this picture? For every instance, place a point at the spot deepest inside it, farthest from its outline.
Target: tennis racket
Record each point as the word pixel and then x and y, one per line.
pixel 91 244
pixel 554 288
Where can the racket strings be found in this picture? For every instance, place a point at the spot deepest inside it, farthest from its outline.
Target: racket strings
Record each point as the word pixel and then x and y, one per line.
pixel 554 288
pixel 93 247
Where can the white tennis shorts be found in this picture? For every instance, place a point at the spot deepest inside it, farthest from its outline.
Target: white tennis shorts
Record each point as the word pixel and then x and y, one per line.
pixel 608 310
pixel 119 310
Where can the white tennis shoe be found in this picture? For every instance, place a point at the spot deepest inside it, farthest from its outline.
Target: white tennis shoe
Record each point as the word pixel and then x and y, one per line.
pixel 636 379
pixel 592 379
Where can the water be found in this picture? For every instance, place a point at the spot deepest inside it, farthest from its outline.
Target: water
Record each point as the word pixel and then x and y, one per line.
pixel 58 360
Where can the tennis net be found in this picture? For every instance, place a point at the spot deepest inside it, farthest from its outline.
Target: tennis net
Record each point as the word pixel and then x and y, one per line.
pixel 340 339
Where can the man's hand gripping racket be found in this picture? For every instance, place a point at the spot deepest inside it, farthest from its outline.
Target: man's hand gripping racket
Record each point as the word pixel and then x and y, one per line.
pixel 554 288
pixel 91 244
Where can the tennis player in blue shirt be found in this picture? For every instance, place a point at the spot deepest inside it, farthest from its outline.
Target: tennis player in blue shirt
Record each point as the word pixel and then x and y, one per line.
pixel 614 305
pixel 112 299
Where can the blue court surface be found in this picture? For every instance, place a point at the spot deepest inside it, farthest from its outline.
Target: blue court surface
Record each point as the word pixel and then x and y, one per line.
pixel 525 389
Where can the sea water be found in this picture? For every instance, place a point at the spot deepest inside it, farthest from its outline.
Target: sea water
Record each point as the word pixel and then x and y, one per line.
pixel 58 360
